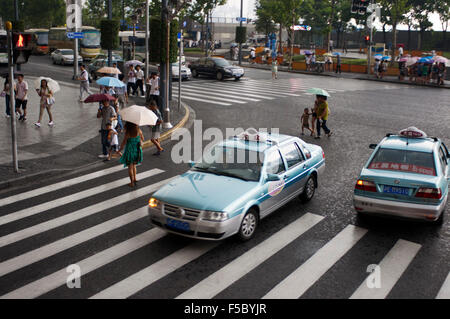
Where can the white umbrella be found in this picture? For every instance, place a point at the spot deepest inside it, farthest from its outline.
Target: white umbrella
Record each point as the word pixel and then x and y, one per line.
pixel 134 63
pixel 51 84
pixel 139 115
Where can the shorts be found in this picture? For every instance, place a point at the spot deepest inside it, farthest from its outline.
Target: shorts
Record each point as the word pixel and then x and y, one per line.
pixel 154 135
pixel 22 103
pixel 305 125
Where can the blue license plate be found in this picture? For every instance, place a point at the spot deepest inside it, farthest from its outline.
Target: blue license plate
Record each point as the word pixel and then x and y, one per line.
pixel 176 224
pixel 396 190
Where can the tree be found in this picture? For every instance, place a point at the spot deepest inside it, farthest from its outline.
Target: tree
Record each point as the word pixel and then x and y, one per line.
pixel 421 11
pixel 264 22
pixel 342 19
pixel 36 14
pixel 443 9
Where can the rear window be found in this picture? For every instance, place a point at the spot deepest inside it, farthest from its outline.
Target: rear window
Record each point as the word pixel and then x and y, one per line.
pixel 404 161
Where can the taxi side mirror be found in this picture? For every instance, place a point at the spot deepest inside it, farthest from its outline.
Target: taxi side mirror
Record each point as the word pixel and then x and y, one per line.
pixel 373 146
pixel 273 178
pixel 191 164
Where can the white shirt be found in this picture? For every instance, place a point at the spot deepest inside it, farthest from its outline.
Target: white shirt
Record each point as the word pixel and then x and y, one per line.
pixel 84 76
pixel 252 54
pixel 114 138
pixel 131 77
pixel 22 90
pixel 154 83
pixel 400 51
pixel 140 75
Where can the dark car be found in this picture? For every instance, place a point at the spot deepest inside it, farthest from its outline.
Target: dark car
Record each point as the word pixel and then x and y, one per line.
pixel 216 67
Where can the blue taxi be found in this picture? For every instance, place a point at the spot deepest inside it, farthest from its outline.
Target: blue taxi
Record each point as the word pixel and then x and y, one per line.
pixel 407 176
pixel 238 182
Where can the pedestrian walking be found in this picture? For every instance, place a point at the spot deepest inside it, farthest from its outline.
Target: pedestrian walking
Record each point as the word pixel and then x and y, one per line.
pixel 331 45
pixel 338 64
pixel 140 80
pixel 305 121
pixel 381 69
pixel 131 81
pixel 113 141
pixel 155 131
pixel 118 123
pixel 274 69
pixel 154 83
pixel 116 75
pixel 121 93
pixel 442 73
pixel 84 82
pixel 322 115
pixel 21 89
pixel 6 94
pixel 344 49
pixel 107 113
pixel 46 102
pixel 308 62
pixel 376 67
pixel 132 156
pixel 252 56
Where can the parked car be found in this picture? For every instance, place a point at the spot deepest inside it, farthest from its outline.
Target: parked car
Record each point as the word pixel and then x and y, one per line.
pixel 115 57
pixel 238 182
pixel 185 72
pixel 64 57
pixel 406 176
pixel 216 67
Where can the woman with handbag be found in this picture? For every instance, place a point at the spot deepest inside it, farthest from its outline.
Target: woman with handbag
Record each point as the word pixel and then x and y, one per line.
pixel 46 102
pixel 132 142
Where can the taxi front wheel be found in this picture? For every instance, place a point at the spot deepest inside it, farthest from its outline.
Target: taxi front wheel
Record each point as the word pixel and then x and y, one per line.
pixel 248 225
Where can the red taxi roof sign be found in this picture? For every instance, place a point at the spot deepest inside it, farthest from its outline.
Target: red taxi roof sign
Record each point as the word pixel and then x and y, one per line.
pixel 413 132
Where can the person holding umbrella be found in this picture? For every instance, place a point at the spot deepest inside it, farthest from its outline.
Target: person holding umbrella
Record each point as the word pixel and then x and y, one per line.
pixel 321 109
pixel 46 102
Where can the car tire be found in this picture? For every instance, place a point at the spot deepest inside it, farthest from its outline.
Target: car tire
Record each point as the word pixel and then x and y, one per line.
pixel 219 76
pixel 309 191
pixel 194 73
pixel 248 225
pixel 237 79
pixel 440 220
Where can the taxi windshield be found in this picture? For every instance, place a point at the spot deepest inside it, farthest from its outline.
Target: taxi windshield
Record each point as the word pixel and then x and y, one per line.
pixel 232 162
pixel 403 161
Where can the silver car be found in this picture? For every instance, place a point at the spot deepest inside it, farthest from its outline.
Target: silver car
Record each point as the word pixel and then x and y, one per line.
pixel 64 57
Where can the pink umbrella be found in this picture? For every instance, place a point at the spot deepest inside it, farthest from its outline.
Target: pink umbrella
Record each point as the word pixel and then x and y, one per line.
pixel 441 59
pixel 412 60
pixel 403 60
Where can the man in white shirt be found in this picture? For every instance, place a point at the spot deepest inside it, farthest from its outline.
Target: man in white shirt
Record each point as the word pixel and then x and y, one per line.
pixel 21 97
pixel 154 89
pixel 400 51
pixel 84 82
pixel 116 75
pixel 131 83
pixel 140 80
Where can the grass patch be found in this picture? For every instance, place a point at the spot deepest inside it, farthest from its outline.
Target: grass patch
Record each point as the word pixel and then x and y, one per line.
pixel 193 50
pixel 302 58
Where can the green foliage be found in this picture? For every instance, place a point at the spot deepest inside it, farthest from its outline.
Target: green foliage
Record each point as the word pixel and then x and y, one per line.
pixel 18 25
pixel 241 34
pixel 109 34
pixel 158 32
pixel 35 14
pixel 198 9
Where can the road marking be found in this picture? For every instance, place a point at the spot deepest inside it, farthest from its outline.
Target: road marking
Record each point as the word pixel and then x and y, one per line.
pixel 255 90
pixel 232 91
pixel 205 101
pixel 213 92
pixel 186 93
pixel 444 292
pixel 30 211
pixel 57 186
pixel 58 278
pixel 391 269
pixel 298 282
pixel 156 271
pixel 227 275
pixel 88 211
pixel 264 89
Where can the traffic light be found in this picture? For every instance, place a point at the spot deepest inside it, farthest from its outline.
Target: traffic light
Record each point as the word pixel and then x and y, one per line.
pixel 360 6
pixel 22 47
pixel 367 39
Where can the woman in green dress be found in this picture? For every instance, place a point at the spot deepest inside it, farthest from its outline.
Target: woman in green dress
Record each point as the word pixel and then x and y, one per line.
pixel 132 156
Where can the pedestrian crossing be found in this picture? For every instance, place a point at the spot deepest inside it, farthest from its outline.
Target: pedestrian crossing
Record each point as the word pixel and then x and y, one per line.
pixel 34 256
pixel 228 93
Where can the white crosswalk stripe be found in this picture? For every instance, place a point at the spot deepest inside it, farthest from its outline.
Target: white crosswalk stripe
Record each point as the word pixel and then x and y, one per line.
pixel 306 275
pixel 391 268
pixel 221 278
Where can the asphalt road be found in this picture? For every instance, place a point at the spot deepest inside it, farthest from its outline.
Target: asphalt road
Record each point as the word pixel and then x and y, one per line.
pixel 41 237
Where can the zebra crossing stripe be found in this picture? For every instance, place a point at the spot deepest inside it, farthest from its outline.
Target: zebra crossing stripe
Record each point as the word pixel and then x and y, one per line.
pixel 264 89
pixel 30 211
pixel 57 186
pixel 298 282
pixel 58 278
pixel 213 92
pixel 156 271
pixel 444 292
pixel 391 269
pixel 187 93
pixel 227 275
pixel 205 101
pixel 82 213
pixel 237 92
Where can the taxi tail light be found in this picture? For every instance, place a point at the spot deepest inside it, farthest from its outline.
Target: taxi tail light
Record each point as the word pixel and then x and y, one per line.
pixel 323 154
pixel 428 192
pixel 365 186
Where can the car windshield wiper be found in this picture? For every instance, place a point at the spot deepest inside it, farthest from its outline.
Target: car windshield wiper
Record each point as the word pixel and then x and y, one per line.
pixel 233 175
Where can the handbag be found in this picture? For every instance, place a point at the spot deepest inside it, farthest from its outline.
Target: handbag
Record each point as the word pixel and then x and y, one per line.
pixel 3 94
pixel 50 100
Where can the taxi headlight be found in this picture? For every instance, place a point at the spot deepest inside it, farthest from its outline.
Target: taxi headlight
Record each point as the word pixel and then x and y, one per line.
pixel 154 203
pixel 214 216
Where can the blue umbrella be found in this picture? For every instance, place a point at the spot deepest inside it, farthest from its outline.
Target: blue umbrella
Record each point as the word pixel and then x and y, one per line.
pixel 378 55
pixel 385 58
pixel 425 60
pixel 110 82
pixel 336 53
pixel 307 52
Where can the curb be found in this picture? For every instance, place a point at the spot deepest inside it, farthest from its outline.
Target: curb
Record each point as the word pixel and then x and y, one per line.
pixel 10 184
pixel 350 78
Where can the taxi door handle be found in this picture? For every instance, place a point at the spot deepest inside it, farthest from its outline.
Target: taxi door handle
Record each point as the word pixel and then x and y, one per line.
pixel 286 177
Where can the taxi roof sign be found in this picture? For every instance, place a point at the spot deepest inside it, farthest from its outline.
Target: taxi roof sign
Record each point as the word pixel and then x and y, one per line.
pixel 413 132
pixel 254 136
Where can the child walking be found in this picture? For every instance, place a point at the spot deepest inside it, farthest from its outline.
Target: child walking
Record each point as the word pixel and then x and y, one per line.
pixel 305 121
pixel 113 140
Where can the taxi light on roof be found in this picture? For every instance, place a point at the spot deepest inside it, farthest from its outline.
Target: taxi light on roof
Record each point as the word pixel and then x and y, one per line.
pixel 413 132
pixel 254 136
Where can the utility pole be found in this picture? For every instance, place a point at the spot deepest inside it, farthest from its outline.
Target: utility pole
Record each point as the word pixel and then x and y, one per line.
pixel 8 27
pixel 16 16
pixel 109 18
pixel 165 66
pixel 370 21
pixel 179 67
pixel 147 35
pixel 240 24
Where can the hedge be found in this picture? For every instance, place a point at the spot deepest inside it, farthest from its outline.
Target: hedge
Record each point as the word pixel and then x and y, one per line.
pixel 157 51
pixel 110 34
pixel 241 34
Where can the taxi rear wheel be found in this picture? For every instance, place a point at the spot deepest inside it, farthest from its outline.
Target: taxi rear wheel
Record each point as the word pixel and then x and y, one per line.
pixel 440 220
pixel 310 189
pixel 248 225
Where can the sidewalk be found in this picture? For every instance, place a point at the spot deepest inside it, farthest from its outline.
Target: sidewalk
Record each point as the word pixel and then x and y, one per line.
pixel 73 142
pixel 346 75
